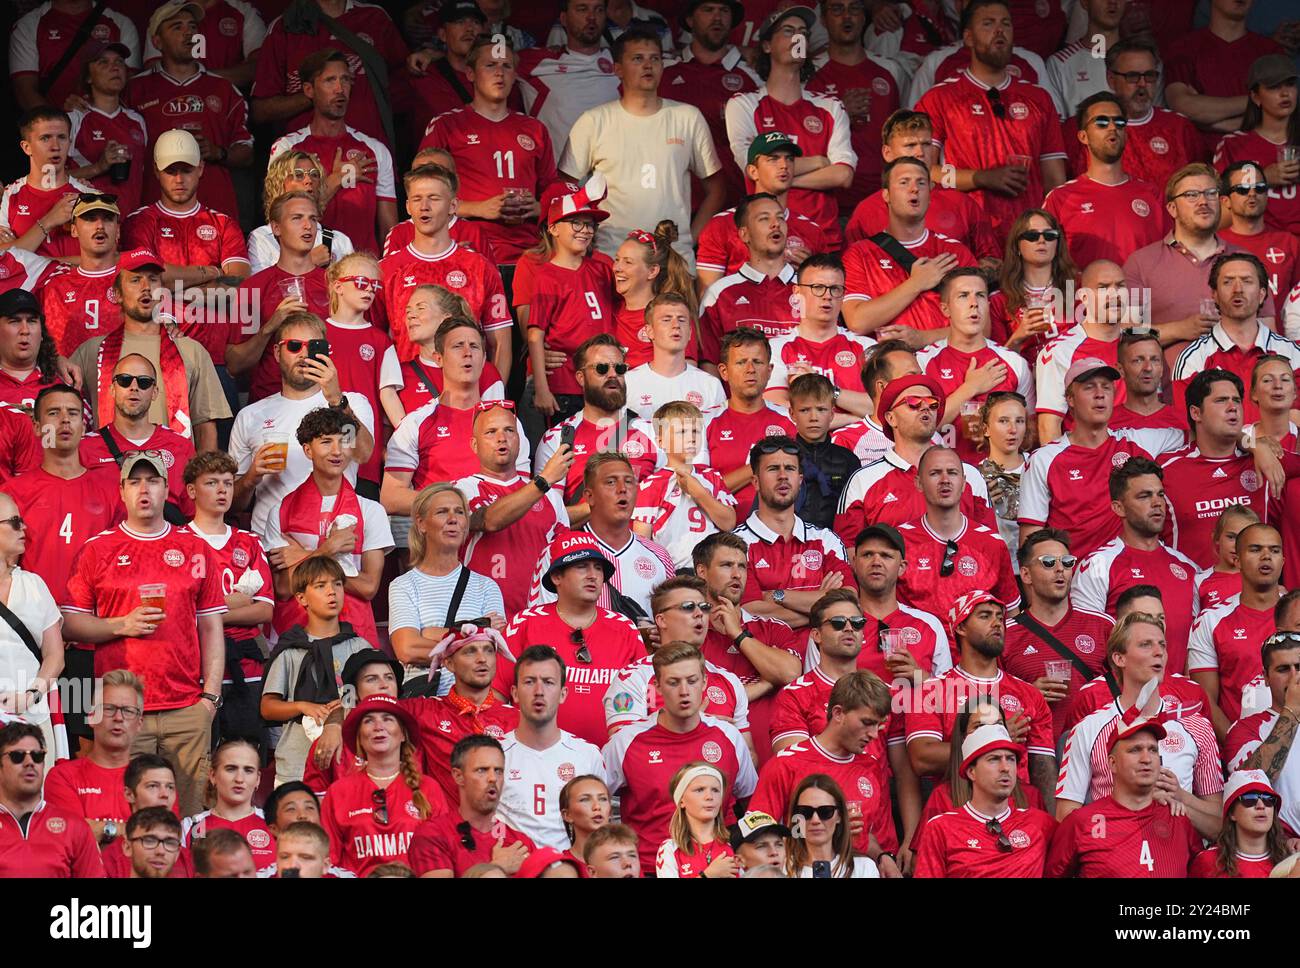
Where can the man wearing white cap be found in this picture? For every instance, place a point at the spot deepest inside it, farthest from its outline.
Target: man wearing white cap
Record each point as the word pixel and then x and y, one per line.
pixel 1252 841
pixel 1131 832
pixel 988 836
pixel 202 249
pixel 1263 740
pixel 179 92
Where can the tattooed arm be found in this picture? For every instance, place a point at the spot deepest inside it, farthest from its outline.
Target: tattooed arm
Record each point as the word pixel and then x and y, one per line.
pixel 1272 753
pixel 1042 774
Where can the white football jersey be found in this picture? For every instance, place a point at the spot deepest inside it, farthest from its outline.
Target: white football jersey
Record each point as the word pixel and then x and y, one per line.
pixel 530 798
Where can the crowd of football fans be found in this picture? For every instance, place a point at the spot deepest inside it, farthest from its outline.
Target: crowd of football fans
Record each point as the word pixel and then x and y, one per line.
pixel 701 439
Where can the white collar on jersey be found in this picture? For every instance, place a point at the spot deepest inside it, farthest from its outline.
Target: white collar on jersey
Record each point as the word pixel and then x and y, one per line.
pixel 786 274
pixel 768 536
pixel 983 818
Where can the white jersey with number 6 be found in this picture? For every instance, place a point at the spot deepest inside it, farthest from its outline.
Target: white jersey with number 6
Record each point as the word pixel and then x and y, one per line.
pixel 530 799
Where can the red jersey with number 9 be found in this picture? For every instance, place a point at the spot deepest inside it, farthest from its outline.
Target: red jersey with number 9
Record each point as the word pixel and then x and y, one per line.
pixel 570 306
pixel 79 305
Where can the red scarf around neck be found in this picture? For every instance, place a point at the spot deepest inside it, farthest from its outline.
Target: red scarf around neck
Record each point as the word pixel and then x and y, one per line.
pixel 175 382
pixel 300 512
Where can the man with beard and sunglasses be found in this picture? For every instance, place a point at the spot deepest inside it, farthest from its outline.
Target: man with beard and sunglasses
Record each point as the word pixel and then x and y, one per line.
pixel 1105 212
pixel 1246 189
pixel 948 554
pixel 1052 643
pixel 977 621
pixel 594 642
pixel 37 840
pixel 471 832
pixel 603 424
pixel 191 401
pixel 1000 134
pixel 791 563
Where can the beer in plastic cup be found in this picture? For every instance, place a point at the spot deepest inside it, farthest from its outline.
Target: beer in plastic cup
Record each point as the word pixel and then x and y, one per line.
pixel 1288 153
pixel 1019 161
pixel 280 454
pixel 892 641
pixel 154 595
pixel 1058 669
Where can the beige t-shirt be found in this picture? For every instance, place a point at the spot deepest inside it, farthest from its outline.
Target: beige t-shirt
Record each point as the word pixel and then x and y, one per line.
pixel 646 161
pixel 207 401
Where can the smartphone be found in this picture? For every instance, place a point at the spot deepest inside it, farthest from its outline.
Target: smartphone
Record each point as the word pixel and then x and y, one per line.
pixel 821 868
pixel 316 348
pixel 566 435
pixel 294 872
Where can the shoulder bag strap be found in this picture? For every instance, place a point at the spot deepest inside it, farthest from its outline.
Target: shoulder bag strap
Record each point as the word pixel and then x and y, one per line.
pixel 895 248
pixel 24 633
pixel 461 584
pixel 106 434
pixel 418 370
pixel 1037 628
pixel 78 41
pixel 449 74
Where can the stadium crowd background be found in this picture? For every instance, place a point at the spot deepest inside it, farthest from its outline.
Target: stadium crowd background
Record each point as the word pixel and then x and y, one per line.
pixel 701 439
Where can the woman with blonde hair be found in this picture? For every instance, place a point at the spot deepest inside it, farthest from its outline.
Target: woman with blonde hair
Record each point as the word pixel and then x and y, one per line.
pixel 371 815
pixel 820 842
pixel 646 265
pixel 698 843
pixel 295 171
pixel 1037 272
pixel 406 387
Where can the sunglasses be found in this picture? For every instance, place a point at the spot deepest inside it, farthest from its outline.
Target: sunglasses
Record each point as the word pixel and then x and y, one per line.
pixel 1004 842
pixel 1243 190
pixel 486 405
pixel 363 283
pixel 840 622
pixel 1033 235
pixel 949 558
pixel 690 607
pixel 16 522
pixel 97 197
pixel 1256 797
pixel 379 801
pixel 125 380
pixel 1049 561
pixel 822 813
pixel 294 345
pixel 169 844
pixel 18 757
pixel 603 368
pixel 583 654
pixel 466 835
pixel 995 99
pixel 1104 121
pixel 770 445
pixel 920 403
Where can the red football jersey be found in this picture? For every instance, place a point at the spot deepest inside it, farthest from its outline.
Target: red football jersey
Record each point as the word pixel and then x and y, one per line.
pixel 633 437
pixel 1025 655
pixel 1278 249
pixel 1180 695
pixel 41 39
pixel 55 844
pixel 709 87
pixel 92 130
pixel 467 233
pixel 612 641
pixel 1213 588
pixel 747 297
pixel 200 237
pixel 720 248
pixel 1206 864
pixel 839 358
pixel 235 553
pixel 252 828
pixel 446 721
pixel 971 135
pixel 1283 213
pixel 640 761
pixel 176 451
pixel 633 333
pixel 66 514
pixel 105 581
pixel 959 844
pixel 433 444
pixel 438 844
pixel 570 306
pixel 1159 143
pixel 722 652
pixel 269 288
pixel 633 695
pixel 1116 567
pixel 492 157
pixel 22 205
pixel 1104 839
pixel 870 271
pixel 951 213
pixel 1197 57
pixel 79 305
pixel 83 788
pixel 869 77
pixel 464 272
pixel 20 269
pixel 230 28
pixel 20 448
pixel 731 435
pixel 948 366
pixel 1226 640
pixel 803 560
pixel 358 841
pixel 1108 221
pixel 204 104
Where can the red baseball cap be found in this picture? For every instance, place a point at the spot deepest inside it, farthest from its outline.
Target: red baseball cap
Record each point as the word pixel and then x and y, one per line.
pixel 1125 730
pixel 543 859
pixel 569 549
pixel 965 604
pixel 379 703
pixel 138 259
pixel 894 389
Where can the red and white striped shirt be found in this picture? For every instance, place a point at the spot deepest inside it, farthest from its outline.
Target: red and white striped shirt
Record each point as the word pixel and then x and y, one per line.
pixel 632 696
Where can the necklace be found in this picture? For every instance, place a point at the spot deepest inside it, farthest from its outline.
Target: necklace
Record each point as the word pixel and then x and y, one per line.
pixel 393 777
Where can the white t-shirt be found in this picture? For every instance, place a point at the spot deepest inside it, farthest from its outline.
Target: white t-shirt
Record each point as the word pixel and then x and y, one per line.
pixel 647 390
pixel 862 867
pixel 417 600
pixel 32 602
pixel 376 534
pixel 646 162
pixel 264 250
pixel 278 415
pixel 530 798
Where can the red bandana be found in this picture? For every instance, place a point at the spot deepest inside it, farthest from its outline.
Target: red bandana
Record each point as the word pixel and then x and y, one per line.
pixel 463 707
pixel 175 382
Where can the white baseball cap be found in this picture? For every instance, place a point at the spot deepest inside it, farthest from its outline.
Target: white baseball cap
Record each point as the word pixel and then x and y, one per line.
pixel 176 145
pixel 1246 781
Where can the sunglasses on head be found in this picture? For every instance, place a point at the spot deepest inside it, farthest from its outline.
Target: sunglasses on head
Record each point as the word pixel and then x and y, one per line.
pixel 485 405
pixel 949 558
pixel 363 283
pixel 1255 797
pixel 124 380
pixel 770 445
pixel 97 197
pixel 603 368
pixel 466 835
pixel 840 622
pixel 1243 190
pixel 995 99
pixel 1049 561
pixel 1033 235
pixel 1004 842
pixel 17 757
pixel 379 801
pixel 823 813
pixel 584 654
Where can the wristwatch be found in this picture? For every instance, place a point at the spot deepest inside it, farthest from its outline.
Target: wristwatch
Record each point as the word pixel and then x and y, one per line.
pixel 744 634
pixel 341 405
pixel 778 596
pixel 110 832
pixel 542 483
pixel 215 700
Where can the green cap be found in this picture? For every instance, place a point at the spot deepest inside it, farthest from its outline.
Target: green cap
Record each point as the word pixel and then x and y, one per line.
pixel 771 143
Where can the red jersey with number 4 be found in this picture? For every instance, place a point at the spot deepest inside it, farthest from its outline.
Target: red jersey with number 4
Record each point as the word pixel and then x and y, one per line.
pixel 958 844
pixel 1105 839
pixel 570 306
pixel 105 581
pixel 65 514
pixel 80 304
pixel 731 435
pixel 460 270
pixel 870 271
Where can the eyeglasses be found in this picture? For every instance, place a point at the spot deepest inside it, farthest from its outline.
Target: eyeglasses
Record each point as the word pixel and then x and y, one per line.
pixel 583 654
pixel 1004 842
pixel 840 622
pixel 920 403
pixel 1104 121
pixel 18 757
pixel 1196 194
pixel 1256 797
pixel 294 345
pixel 169 844
pixel 16 522
pixel 690 607
pixel 769 445
pixel 1259 187
pixel 484 406
pixel 379 801
pixel 97 197
pixel 580 228
pixel 125 380
pixel 995 99
pixel 363 283
pixel 1033 235
pixel 129 714
pixel 950 550
pixel 821 289
pixel 1134 76
pixel 466 835
pixel 603 368
pixel 823 813
pixel 312 173
pixel 1049 561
